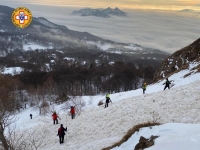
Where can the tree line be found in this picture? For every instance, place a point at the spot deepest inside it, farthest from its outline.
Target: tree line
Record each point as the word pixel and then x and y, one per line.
pixel 91 80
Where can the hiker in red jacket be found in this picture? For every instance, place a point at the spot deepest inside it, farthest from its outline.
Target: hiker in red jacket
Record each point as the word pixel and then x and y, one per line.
pixel 61 133
pixel 55 118
pixel 72 111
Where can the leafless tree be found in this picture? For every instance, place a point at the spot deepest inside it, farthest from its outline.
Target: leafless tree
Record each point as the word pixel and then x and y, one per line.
pixel 38 100
pixel 16 139
pixel 51 90
pixel 6 119
pixel 35 140
pixel 90 101
pixel 79 103
pixel 6 108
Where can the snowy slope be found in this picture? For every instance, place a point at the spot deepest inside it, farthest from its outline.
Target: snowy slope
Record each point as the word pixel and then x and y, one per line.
pixel 98 127
pixel 172 136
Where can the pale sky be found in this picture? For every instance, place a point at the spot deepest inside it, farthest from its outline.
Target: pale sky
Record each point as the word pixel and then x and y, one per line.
pixel 139 4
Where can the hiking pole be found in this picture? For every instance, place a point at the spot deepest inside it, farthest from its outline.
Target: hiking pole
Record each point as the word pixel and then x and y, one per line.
pixel 66 127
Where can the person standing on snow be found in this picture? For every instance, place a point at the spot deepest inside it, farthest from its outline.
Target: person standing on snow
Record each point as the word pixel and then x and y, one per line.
pixel 31 116
pixel 72 111
pixel 107 100
pixel 144 87
pixel 167 83
pixel 61 133
pixel 55 118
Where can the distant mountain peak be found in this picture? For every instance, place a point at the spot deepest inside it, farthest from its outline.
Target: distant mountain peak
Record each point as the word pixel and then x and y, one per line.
pixel 109 8
pixel 187 10
pixel 46 22
pixel 99 12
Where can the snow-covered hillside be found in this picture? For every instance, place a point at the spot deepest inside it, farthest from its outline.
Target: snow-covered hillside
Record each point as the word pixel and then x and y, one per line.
pixel 98 127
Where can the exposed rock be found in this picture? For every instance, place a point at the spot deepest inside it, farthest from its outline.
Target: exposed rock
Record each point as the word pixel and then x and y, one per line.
pixel 145 143
pixel 100 103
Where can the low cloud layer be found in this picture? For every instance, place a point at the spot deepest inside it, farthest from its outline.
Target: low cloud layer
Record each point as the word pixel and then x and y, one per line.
pixel 167 31
pixel 162 30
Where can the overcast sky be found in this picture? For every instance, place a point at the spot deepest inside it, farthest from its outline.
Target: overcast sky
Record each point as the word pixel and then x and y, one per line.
pixel 157 26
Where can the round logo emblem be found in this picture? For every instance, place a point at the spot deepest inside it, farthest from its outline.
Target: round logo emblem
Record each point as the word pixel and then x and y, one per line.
pixel 21 17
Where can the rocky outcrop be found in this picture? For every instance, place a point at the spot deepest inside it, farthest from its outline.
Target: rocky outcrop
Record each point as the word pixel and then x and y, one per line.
pixel 178 60
pixel 100 103
pixel 145 143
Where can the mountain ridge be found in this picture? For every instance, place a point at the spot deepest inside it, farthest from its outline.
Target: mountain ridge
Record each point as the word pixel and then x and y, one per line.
pixel 7 25
pixel 99 12
pixel 179 60
pixel 40 26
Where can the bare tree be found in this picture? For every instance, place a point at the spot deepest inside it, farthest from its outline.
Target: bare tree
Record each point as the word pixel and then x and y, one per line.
pixel 6 108
pixel 35 140
pixel 51 90
pixel 16 139
pixel 6 119
pixel 90 101
pixel 17 95
pixel 38 100
pixel 78 102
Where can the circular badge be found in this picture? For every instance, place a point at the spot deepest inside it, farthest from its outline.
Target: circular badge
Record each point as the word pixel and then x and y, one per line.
pixel 21 17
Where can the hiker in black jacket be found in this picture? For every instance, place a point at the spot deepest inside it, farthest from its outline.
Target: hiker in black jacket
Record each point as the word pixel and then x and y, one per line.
pixel 167 83
pixel 31 116
pixel 61 133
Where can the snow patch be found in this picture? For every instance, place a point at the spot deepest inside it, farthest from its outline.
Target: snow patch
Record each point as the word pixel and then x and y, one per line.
pixel 27 47
pixel 2 30
pixel 59 51
pixel 68 58
pixel 52 61
pixel 13 70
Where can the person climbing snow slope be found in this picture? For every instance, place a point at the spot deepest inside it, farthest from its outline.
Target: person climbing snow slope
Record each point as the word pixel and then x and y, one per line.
pixel 61 133
pixel 167 84
pixel 72 111
pixel 144 87
pixel 55 118
pixel 107 100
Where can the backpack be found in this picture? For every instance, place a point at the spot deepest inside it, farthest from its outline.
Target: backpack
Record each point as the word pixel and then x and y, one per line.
pixel 107 95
